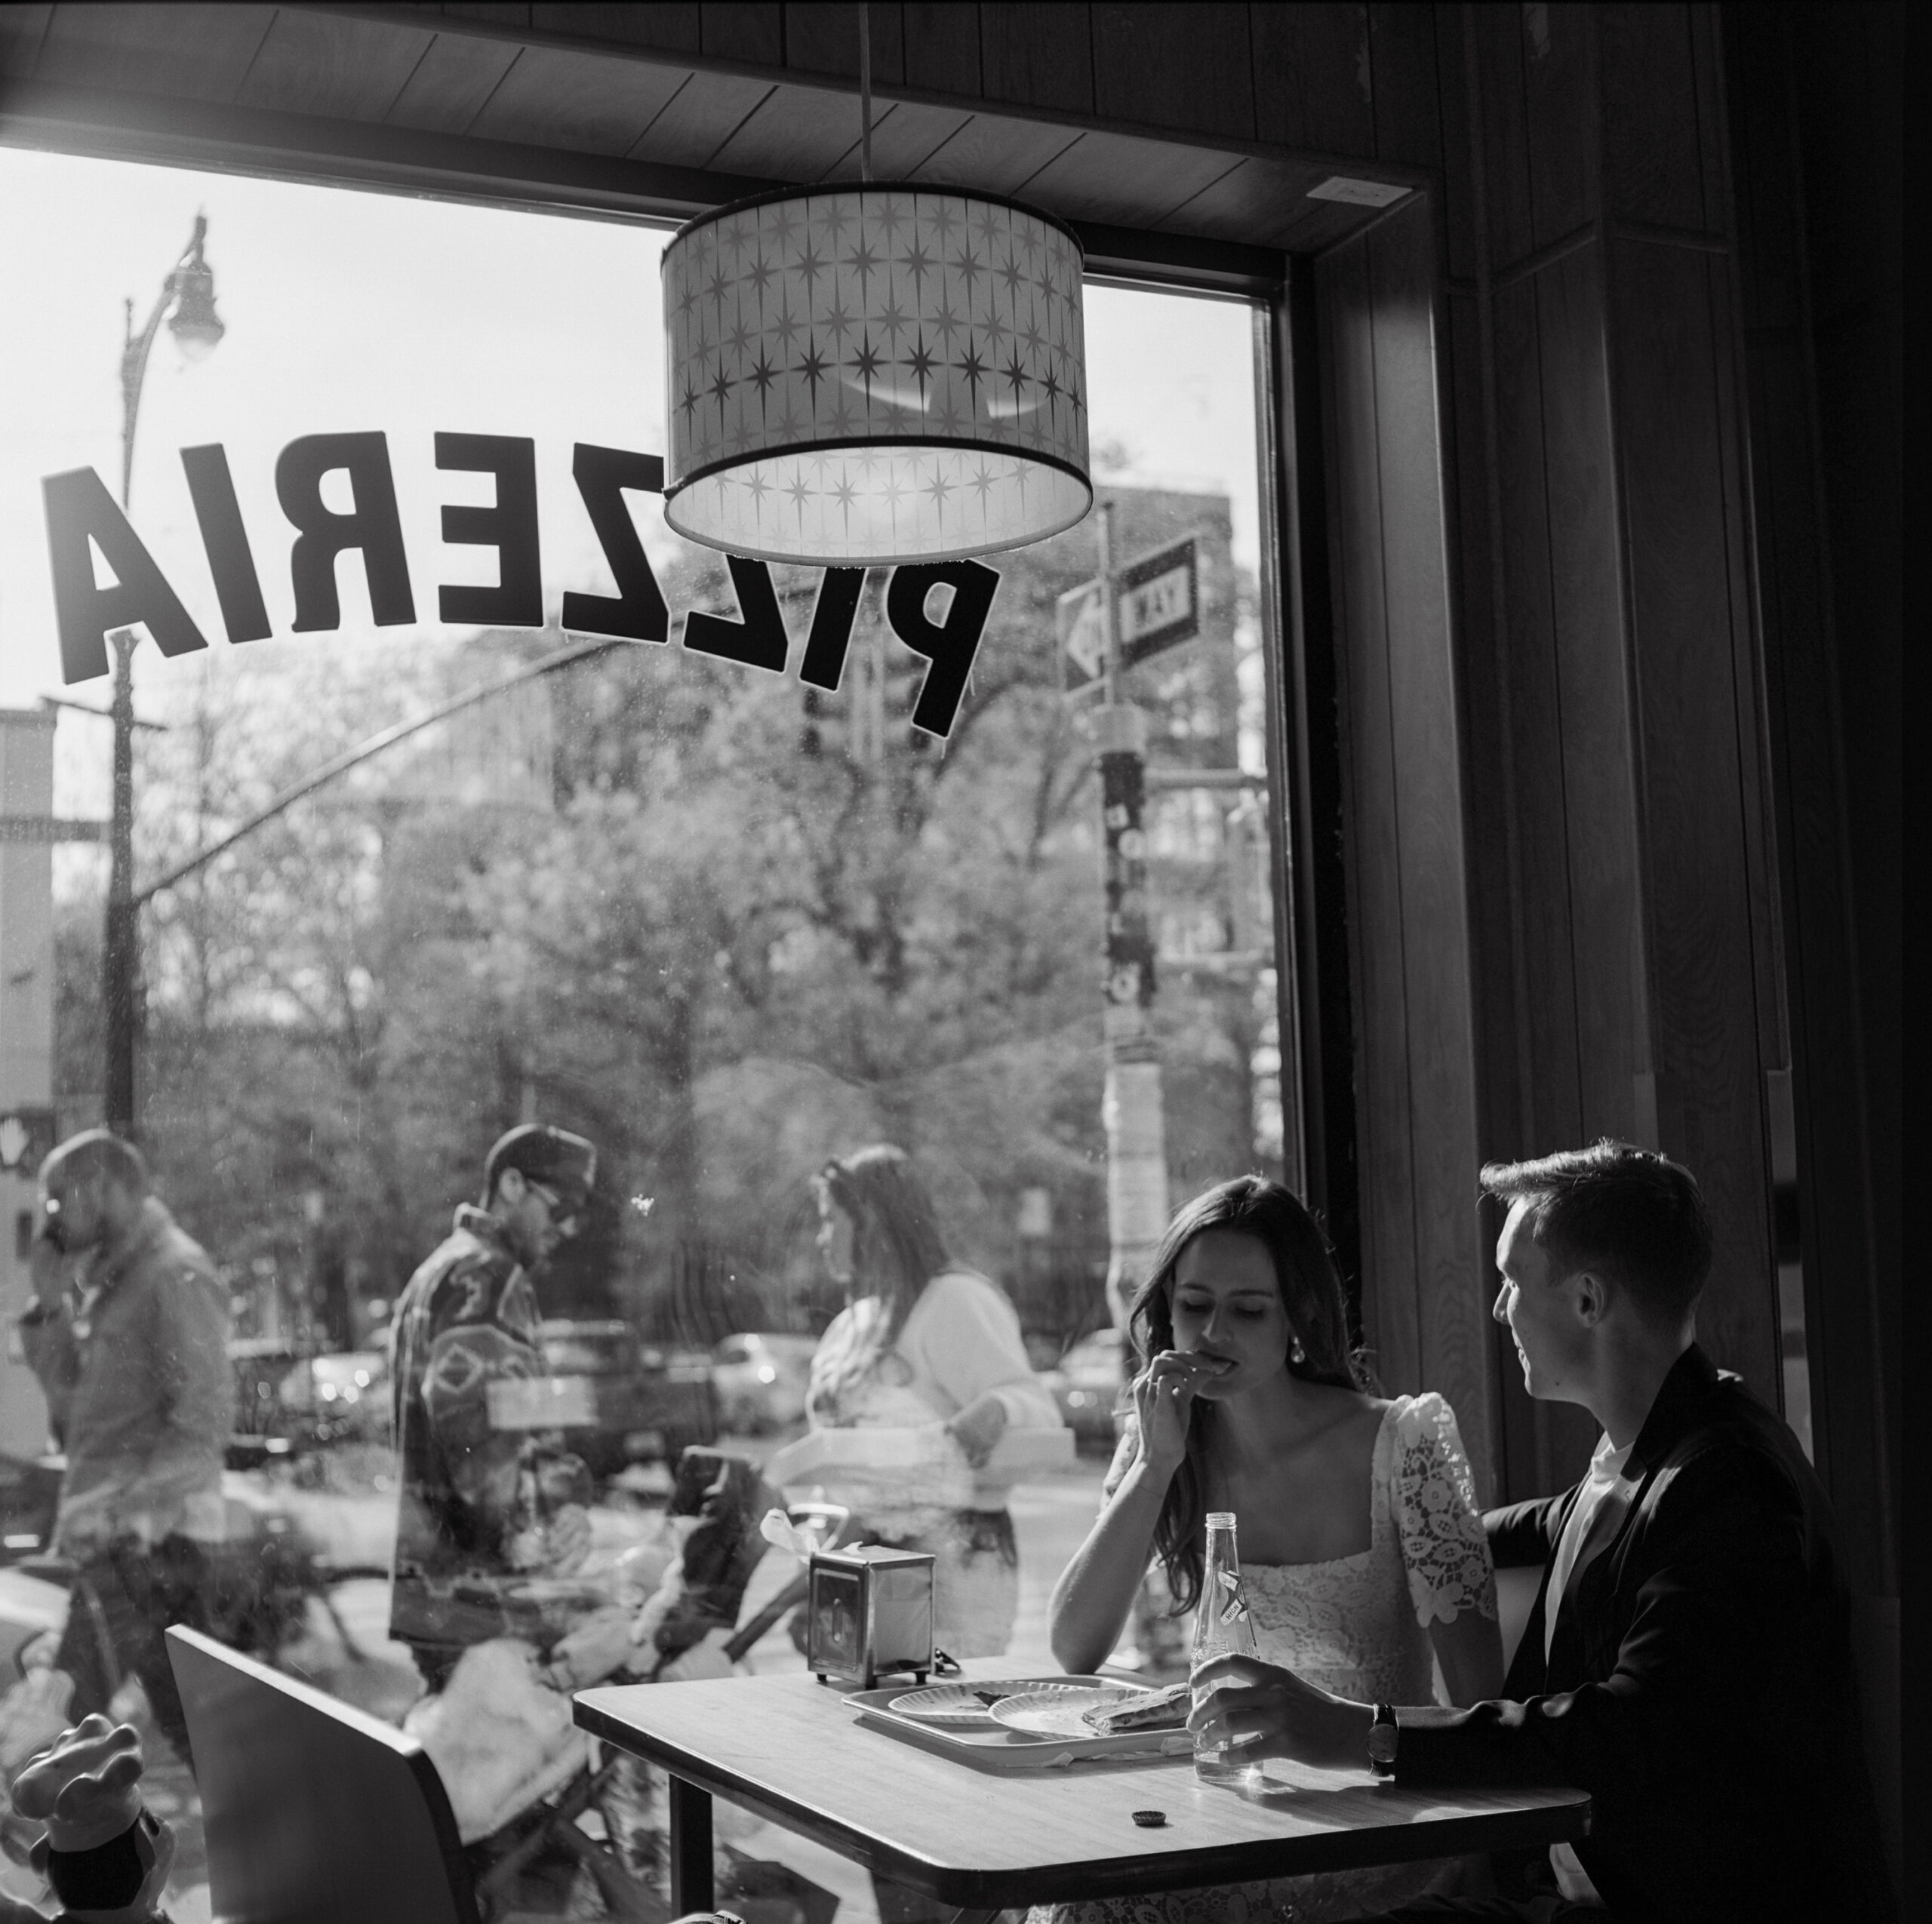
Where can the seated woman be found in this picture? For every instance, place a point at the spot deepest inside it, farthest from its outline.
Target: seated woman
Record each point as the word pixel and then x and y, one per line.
pixel 924 1341
pixel 1363 1554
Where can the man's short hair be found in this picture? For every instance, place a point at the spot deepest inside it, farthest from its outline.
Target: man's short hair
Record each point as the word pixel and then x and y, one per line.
pixel 96 1152
pixel 553 1157
pixel 1631 1213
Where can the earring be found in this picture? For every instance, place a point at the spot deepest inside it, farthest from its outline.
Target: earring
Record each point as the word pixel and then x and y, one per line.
pixel 1296 1353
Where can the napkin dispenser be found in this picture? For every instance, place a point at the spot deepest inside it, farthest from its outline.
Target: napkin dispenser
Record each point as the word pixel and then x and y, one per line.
pixel 869 1612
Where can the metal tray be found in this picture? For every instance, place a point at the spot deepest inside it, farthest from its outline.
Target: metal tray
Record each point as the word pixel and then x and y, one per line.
pixel 993 1747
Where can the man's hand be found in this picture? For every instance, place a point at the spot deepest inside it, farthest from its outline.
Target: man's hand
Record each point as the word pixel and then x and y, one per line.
pixel 979 1427
pixel 1278 1715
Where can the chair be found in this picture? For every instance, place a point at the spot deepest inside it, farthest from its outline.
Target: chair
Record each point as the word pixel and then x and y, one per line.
pixel 315 1812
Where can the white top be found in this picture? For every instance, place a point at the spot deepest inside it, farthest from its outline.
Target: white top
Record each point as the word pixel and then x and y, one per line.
pixel 960 1341
pixel 1359 1625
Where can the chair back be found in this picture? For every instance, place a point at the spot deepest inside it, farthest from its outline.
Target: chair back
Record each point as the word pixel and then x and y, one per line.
pixel 316 1811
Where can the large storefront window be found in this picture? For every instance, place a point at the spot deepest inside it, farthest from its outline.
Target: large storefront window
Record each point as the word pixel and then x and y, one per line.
pixel 727 926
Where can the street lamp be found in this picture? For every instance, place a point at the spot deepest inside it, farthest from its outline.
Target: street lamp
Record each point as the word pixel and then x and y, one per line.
pixel 187 305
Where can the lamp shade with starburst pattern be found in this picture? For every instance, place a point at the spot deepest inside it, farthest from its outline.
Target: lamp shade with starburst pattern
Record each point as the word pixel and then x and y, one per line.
pixel 872 374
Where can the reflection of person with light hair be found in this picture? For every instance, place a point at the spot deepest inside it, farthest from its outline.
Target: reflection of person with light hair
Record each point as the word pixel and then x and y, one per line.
pixel 923 1340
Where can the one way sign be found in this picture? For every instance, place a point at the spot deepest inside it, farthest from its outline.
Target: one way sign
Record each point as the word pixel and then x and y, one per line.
pixel 1080 621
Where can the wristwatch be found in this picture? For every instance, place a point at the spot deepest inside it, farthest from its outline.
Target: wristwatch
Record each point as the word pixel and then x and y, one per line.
pixel 1382 1735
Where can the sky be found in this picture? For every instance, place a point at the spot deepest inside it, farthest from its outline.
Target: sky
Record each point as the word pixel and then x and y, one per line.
pixel 349 311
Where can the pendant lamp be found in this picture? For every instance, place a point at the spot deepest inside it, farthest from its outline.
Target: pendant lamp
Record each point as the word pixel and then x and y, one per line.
pixel 874 373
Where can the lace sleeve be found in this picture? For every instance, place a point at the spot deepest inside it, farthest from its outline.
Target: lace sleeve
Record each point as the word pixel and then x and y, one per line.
pixel 1443 1545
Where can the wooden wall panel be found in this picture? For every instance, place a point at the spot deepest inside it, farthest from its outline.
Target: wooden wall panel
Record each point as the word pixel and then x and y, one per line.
pixel 22 28
pixel 456 76
pixel 942 47
pixel 1454 49
pixel 1037 55
pixel 1605 932
pixel 1710 1092
pixel 199 52
pixel 1820 289
pixel 755 34
pixel 1549 1107
pixel 1450 1269
pixel 1391 1323
pixel 1403 81
pixel 311 63
pixel 824 38
pixel 1425 1271
pixel 1190 69
pixel 1499 134
pixel 684 133
pixel 1313 89
pixel 1652 154
pixel 671 26
pixel 1558 81
pixel 556 96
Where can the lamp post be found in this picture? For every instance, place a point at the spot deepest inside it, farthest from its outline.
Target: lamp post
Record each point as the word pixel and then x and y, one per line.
pixel 187 305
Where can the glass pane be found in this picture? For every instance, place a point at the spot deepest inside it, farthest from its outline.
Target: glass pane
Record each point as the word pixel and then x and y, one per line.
pixel 726 926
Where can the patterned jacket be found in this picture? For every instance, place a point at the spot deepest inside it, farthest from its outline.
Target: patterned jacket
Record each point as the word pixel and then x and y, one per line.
pixel 470 1495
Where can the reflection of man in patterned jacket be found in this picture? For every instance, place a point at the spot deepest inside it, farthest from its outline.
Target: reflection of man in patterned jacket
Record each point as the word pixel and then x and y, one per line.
pixel 480 1507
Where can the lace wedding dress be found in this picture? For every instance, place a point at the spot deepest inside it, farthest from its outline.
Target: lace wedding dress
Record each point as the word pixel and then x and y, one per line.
pixel 1358 1626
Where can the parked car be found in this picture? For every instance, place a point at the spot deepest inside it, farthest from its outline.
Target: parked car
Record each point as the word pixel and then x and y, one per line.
pixel 1087 1383
pixel 285 1397
pixel 29 1495
pixel 622 1401
pixel 761 1378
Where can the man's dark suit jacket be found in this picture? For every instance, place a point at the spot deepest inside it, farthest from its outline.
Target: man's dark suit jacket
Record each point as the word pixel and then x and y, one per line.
pixel 1700 1687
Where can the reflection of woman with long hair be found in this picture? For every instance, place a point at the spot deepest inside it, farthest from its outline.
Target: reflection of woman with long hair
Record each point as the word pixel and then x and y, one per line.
pixel 1363 1554
pixel 923 1341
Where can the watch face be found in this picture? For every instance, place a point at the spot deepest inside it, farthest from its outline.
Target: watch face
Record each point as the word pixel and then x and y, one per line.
pixel 1381 1743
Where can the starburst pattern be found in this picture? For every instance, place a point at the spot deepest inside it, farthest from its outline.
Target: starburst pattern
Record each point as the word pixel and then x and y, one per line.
pixel 913 336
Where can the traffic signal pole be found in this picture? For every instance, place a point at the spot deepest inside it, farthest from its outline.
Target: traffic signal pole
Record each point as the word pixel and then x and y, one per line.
pixel 1131 1110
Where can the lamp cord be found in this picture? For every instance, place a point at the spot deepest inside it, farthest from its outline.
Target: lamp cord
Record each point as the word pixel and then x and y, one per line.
pixel 865 92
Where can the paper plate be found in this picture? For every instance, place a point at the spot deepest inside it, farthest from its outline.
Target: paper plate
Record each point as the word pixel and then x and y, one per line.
pixel 1053 1710
pixel 958 1703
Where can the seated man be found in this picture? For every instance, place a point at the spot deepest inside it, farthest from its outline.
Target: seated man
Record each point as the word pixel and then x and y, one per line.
pixel 1688 1658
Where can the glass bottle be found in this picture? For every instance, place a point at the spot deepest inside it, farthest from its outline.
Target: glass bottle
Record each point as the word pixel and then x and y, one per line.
pixel 1222 1628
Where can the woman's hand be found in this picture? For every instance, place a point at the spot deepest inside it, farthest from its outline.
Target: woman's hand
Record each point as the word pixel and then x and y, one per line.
pixel 979 1427
pixel 1265 1711
pixel 1163 1402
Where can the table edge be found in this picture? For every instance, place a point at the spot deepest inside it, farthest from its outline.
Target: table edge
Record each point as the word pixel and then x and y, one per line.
pixel 1073 1881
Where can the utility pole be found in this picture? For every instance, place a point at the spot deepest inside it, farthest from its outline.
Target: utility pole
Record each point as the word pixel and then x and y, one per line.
pixel 1131 1109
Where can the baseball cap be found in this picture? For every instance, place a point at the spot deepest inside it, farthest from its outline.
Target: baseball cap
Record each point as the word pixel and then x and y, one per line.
pixel 553 1157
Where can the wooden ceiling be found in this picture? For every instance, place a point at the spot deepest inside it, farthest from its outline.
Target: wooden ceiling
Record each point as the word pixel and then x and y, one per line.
pixel 478 99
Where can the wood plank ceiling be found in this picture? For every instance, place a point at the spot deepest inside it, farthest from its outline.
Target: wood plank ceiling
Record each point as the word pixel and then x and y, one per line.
pixel 420 95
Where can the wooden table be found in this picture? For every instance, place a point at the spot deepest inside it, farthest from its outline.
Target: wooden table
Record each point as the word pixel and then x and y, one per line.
pixel 789 1749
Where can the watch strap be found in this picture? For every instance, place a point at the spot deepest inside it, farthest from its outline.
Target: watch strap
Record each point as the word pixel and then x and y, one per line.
pixel 1383 1735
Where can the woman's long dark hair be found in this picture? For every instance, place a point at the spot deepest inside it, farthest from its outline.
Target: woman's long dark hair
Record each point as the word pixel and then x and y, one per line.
pixel 1310 1287
pixel 897 1247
